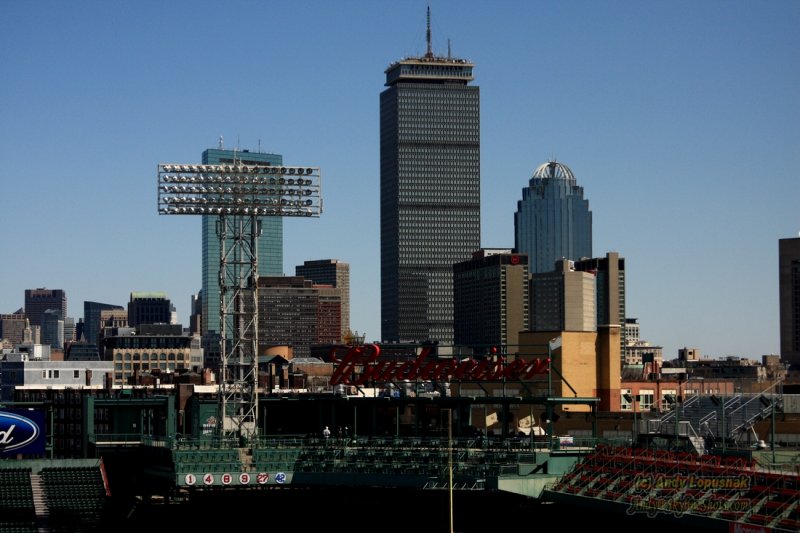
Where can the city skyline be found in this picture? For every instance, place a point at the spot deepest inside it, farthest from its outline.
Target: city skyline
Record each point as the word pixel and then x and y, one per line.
pixel 680 121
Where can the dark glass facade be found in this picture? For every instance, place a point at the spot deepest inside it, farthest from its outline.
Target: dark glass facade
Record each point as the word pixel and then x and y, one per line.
pixel 430 193
pixel 37 301
pixel 91 319
pixel 553 220
pixel 149 308
pixel 789 296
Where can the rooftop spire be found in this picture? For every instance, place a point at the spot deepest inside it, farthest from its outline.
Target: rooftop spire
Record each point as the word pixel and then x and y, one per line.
pixel 429 53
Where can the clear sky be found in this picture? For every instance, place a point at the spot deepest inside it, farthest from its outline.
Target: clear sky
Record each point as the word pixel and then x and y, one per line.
pixel 681 120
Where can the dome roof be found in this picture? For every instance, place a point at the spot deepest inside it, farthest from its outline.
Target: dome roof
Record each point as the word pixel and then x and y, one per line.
pixel 554 170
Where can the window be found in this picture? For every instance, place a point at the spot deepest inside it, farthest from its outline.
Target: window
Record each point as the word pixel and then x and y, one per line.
pixel 624 404
pixel 76 374
pixel 668 397
pixel 646 398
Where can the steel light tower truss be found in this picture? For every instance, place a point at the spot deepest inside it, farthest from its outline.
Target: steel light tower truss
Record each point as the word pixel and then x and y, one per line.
pixel 239 195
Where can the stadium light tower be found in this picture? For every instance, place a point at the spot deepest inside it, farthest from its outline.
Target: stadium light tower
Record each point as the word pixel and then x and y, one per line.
pixel 239 195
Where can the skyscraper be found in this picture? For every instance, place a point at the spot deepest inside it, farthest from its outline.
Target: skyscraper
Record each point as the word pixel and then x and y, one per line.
pixel 334 273
pixel 563 299
pixel 491 300
pixel 149 308
pixel 293 310
pixel 610 273
pixel 430 191
pixel 553 220
pixel 37 301
pixel 12 327
pixel 789 296
pixel 270 243
pixel 52 328
pixel 91 319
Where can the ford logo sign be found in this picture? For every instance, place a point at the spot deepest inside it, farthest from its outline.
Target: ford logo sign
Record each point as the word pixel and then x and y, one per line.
pixel 16 431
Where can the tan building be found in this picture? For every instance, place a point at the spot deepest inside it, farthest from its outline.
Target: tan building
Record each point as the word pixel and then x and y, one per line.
pixel 563 300
pixel 586 365
pixel 565 305
pixel 159 347
pixel 689 354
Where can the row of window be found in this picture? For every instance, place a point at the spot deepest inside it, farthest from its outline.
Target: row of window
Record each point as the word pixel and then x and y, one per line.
pixel 647 399
pixel 56 374
pixel 148 366
pixel 171 356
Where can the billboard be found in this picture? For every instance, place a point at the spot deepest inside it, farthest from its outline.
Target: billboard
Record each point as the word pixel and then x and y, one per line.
pixel 22 432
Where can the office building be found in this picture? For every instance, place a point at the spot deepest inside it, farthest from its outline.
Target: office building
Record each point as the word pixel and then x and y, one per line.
pixel 588 361
pixel 52 328
pixel 563 300
pixel 69 330
pixel 609 272
pixel 334 273
pixel 636 351
pixel 12 327
pixel 294 311
pixel 37 301
pixel 151 348
pixel 149 308
pixel 270 243
pixel 430 192
pixel 686 354
pixel 91 319
pixel 490 292
pixel 24 373
pixel 553 220
pixel 789 297
pixel 113 318
pixel 196 314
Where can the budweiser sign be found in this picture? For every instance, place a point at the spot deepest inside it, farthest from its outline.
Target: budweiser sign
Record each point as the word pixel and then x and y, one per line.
pixel 372 370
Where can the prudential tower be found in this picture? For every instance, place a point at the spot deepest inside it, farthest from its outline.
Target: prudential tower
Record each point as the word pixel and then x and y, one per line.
pixel 430 191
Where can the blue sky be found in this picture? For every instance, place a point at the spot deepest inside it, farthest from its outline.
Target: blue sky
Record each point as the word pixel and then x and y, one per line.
pixel 681 120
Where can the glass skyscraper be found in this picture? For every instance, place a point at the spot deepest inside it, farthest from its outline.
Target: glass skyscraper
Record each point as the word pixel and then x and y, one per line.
pixel 270 243
pixel 553 220
pixel 91 319
pixel 789 299
pixel 430 192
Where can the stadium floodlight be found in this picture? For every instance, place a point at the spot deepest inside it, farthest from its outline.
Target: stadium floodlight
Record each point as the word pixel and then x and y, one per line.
pixel 184 186
pixel 238 195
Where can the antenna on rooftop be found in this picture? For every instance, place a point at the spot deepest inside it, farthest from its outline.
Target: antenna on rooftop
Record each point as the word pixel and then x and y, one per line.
pixel 429 53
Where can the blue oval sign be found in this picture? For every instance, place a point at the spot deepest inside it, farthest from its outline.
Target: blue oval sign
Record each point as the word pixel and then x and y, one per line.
pixel 16 431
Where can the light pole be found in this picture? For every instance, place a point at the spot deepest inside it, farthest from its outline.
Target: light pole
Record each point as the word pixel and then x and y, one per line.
pixel 721 402
pixel 547 431
pixel 450 464
pixel 632 399
pixel 238 195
